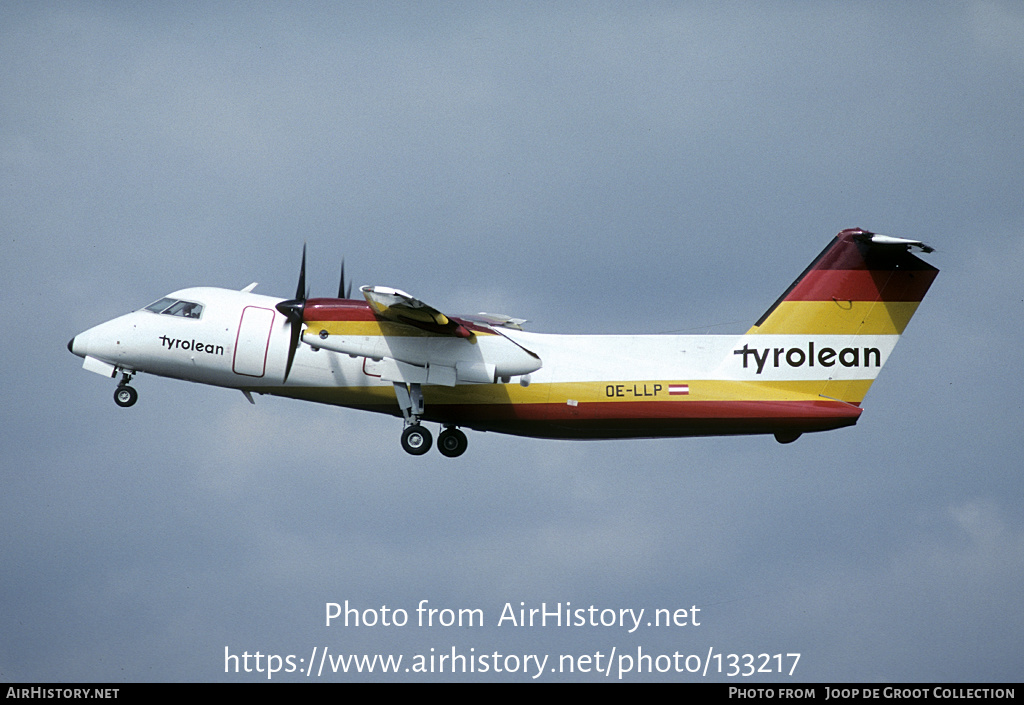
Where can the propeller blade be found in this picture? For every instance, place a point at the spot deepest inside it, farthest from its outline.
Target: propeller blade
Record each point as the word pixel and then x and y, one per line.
pixel 293 310
pixel 300 290
pixel 344 292
pixel 293 345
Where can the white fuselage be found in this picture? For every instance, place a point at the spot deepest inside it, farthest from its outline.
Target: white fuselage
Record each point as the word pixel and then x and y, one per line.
pixel 241 341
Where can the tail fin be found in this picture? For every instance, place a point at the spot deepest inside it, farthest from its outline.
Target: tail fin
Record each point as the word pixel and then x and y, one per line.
pixel 841 318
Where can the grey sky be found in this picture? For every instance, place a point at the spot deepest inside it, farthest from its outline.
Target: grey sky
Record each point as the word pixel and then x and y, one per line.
pixel 604 168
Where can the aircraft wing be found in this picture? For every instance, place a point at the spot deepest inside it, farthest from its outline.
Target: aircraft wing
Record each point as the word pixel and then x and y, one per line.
pixel 399 307
pixel 456 350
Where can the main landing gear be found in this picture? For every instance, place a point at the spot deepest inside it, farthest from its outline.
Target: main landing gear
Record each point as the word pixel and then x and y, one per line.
pixel 124 395
pixel 452 442
pixel 416 440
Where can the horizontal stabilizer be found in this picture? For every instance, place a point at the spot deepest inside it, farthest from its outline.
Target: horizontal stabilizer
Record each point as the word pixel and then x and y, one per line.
pixel 876 239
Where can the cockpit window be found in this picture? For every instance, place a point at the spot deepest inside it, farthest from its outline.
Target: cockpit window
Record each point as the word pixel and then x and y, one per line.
pixel 185 309
pixel 174 307
pixel 159 306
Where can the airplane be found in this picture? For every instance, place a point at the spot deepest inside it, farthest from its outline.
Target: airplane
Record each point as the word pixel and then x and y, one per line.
pixel 804 366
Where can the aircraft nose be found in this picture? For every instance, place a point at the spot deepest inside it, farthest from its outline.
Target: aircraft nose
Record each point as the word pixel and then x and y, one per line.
pixel 111 342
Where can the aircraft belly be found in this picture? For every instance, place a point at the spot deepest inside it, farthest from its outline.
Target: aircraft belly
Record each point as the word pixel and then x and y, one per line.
pixel 650 419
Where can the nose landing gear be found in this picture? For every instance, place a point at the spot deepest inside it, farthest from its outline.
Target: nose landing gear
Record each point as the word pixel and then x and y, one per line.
pixel 125 396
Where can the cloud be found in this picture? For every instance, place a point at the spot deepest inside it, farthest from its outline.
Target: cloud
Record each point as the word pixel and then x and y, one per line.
pixel 628 169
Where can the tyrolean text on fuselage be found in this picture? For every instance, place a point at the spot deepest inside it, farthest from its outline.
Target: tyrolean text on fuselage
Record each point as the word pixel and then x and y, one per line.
pixel 191 345
pixel 808 355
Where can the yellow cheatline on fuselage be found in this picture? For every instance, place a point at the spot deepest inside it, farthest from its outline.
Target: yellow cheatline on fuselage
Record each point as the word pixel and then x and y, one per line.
pixel 604 392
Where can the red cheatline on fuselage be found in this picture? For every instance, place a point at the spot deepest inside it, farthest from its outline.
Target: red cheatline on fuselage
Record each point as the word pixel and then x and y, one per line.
pixel 650 419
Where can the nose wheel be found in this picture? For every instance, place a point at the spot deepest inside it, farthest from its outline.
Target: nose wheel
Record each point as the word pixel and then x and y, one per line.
pixel 125 396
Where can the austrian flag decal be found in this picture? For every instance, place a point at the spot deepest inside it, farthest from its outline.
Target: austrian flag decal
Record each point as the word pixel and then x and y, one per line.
pixel 678 389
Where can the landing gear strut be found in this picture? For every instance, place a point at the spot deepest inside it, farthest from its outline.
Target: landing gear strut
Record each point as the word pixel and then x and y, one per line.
pixel 416 440
pixel 124 395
